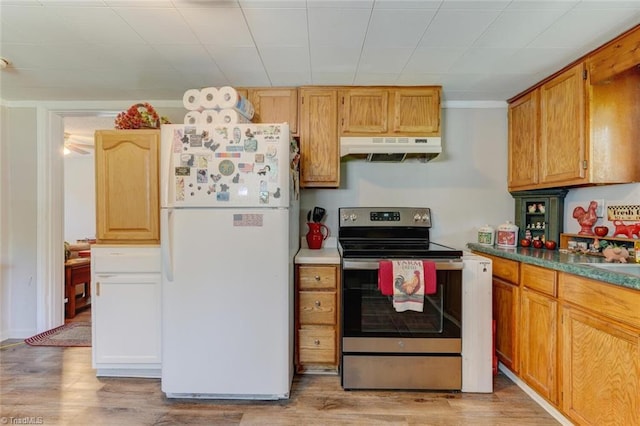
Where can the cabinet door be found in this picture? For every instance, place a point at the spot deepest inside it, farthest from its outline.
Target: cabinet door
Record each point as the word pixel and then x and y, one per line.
pixel 523 141
pixel 276 106
pixel 601 369
pixel 126 318
pixel 538 353
pixel 319 149
pixel 416 111
pixel 505 313
pixel 563 153
pixel 127 202
pixel 364 111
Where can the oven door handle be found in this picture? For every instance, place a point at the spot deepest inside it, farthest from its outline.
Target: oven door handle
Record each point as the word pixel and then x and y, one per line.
pixel 369 265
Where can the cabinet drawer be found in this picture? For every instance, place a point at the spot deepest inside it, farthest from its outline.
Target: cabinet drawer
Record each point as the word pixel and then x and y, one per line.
pixel 540 279
pixel 317 307
pixel 505 269
pixel 317 345
pixel 618 303
pixel 317 277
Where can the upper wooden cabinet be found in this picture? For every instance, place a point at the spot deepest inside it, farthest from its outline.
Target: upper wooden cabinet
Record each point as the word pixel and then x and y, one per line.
pixel 562 127
pixel 275 105
pixel 127 195
pixel 577 129
pixel 547 145
pixel 524 140
pixel 319 149
pixel 397 111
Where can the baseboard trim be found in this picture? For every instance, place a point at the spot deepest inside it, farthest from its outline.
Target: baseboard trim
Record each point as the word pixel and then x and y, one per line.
pixel 534 395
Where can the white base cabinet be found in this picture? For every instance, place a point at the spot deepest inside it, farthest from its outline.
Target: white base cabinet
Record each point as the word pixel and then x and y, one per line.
pixel 126 311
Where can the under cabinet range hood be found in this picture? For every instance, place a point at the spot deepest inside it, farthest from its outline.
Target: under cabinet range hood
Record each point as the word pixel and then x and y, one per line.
pixel 391 148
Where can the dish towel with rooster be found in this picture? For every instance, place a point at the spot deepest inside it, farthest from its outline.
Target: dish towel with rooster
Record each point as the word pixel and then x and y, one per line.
pixel 407 281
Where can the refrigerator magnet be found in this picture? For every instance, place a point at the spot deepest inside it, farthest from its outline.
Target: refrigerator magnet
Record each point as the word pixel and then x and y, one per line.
pixel 250 145
pixel 259 158
pixel 179 189
pixel 195 141
pixel 264 197
pixel 237 134
pixel 187 160
pixel 226 167
pixel 277 193
pixel 245 167
pixel 202 176
pixel 183 171
pixel 222 196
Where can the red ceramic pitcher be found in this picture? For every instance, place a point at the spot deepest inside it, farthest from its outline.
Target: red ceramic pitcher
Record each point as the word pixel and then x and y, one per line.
pixel 318 232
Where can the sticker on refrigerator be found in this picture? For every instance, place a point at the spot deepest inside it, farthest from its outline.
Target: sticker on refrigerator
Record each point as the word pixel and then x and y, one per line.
pixel 222 196
pixel 228 155
pixel 236 178
pixel 272 152
pixel 202 176
pixel 203 161
pixel 215 178
pixel 237 134
pixel 259 158
pixel 195 141
pixel 247 219
pixel 187 160
pixel 245 167
pixel 177 141
pixel 264 170
pixel 183 171
pixel 212 145
pixel 179 189
pixel 277 193
pixel 250 145
pixel 233 148
pixel 226 167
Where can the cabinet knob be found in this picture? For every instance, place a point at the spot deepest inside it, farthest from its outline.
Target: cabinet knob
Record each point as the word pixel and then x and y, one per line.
pixel 317 277
pixel 317 303
pixel 316 342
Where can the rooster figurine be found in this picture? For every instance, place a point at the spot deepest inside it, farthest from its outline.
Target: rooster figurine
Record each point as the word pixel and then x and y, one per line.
pixel 586 218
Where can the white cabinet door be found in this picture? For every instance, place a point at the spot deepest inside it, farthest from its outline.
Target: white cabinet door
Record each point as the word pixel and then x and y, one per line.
pixel 126 319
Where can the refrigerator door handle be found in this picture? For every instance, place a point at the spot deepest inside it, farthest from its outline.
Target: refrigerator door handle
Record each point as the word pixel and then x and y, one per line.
pixel 167 242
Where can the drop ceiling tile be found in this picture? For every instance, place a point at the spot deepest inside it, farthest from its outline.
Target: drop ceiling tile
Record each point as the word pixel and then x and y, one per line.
pixel 407 4
pixel 433 60
pixel 480 61
pixel 97 25
pixel 133 57
pixel 158 25
pixel 143 3
pixel 249 78
pixel 278 59
pixel 291 79
pixel 28 24
pixel 234 60
pixel 328 59
pixel 185 56
pixel 278 27
pixel 273 4
pixel 339 4
pixel 526 61
pixel 419 79
pixel 474 4
pixel 609 4
pixel 397 28
pixel 332 78
pixel 517 28
pixel 372 78
pixel 73 3
pixel 542 5
pixel 454 28
pixel 569 30
pixel 338 27
pixel 384 60
pixel 219 26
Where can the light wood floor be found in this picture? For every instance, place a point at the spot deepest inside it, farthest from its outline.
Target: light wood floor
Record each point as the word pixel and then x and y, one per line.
pixel 59 387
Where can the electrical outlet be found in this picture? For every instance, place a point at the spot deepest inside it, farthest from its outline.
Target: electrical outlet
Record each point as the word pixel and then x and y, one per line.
pixel 600 210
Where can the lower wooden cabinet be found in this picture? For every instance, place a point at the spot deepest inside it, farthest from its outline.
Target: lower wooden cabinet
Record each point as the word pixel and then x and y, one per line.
pixel 538 349
pixel 506 302
pixel 601 369
pixel 317 330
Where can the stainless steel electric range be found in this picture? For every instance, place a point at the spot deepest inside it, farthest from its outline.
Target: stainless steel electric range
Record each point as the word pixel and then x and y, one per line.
pixel 382 348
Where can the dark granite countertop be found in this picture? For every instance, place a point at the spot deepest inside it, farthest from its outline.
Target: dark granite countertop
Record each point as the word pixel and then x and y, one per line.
pixel 572 263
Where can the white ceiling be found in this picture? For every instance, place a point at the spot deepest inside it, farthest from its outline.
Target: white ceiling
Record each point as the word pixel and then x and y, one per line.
pixel 157 49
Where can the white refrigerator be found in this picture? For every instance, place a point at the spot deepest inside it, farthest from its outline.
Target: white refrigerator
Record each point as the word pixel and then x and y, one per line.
pixel 229 234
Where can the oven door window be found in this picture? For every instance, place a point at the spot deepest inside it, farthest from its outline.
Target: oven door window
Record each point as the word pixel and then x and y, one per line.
pixel 368 313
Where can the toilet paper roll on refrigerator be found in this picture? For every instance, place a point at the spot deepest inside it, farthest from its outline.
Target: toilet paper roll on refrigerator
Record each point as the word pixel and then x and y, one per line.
pixel 191 99
pixel 209 98
pixel 193 118
pixel 210 116
pixel 231 116
pixel 228 97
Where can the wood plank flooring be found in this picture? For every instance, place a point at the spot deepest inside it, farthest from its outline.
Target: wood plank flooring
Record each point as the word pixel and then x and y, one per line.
pixel 57 386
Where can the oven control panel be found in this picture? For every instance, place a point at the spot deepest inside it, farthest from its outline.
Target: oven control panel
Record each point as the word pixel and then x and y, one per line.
pixel 385 216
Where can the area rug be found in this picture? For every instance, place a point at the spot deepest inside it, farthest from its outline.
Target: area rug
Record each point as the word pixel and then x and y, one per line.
pixel 72 334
